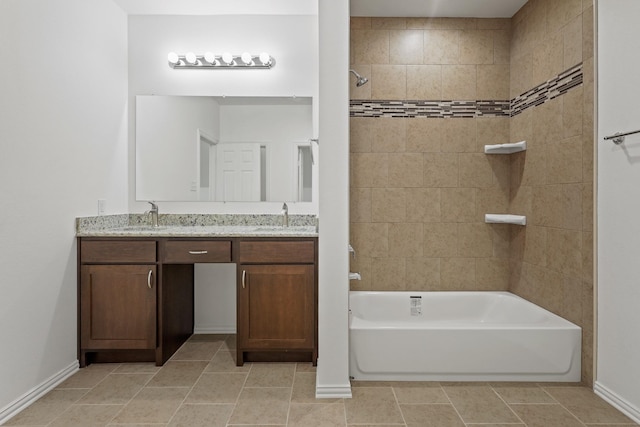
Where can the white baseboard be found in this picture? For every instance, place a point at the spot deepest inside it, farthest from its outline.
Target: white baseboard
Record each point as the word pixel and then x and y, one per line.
pixel 333 392
pixel 618 402
pixel 36 393
pixel 214 330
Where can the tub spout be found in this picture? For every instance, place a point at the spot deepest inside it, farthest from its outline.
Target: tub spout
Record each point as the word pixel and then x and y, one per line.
pixel 355 276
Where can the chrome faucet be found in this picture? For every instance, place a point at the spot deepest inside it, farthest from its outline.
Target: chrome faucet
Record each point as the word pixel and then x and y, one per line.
pixel 154 214
pixel 285 215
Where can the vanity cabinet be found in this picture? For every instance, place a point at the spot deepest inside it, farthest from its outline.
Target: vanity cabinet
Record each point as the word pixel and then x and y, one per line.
pixel 277 301
pixel 117 296
pixel 118 306
pixel 135 296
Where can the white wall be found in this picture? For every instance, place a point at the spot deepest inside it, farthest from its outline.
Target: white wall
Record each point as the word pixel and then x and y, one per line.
pixel 618 206
pixel 167 149
pixel 292 40
pixel 63 115
pixel 332 378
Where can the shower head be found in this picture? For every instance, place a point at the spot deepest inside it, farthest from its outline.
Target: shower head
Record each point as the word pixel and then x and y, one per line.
pixel 361 80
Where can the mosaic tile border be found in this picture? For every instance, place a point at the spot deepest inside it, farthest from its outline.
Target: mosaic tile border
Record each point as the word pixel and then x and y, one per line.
pixel 538 95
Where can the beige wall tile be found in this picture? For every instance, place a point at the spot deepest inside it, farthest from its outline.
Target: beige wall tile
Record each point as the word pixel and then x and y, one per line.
pixel 423 273
pixel 564 251
pixel 500 166
pixel 535 245
pixel 521 74
pixel 370 239
pixel 389 23
pixel 572 111
pixel 388 274
pixel 406 47
pixel 360 23
pixel 440 239
pixel 369 169
pixel 423 204
pixel 588 38
pixel 587 207
pixel 492 274
pixel 587 256
pixel 458 204
pixel 501 240
pixel 521 127
pixel 360 134
pixel 458 23
pixel 547 121
pixel 521 202
pixel 388 205
pixel 457 273
pixel 370 46
pixel 424 82
pixel 493 82
pixel 407 170
pixel 572 206
pixel 534 170
pixel 460 136
pixel 572 299
pixel 565 161
pixel 388 82
pixel 360 205
pixel 361 264
pixel 492 200
pixel 475 240
pixel 441 47
pixel 492 130
pixel 406 240
pixel 475 170
pixel 389 135
pixel 459 82
pixel 561 13
pixel 548 59
pixel 440 169
pixel 476 47
pixel 424 135
pixel 537 21
pixel 493 23
pixel 501 46
pixel 572 33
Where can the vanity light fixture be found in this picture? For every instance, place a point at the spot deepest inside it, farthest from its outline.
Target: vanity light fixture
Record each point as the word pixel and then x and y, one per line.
pixel 225 60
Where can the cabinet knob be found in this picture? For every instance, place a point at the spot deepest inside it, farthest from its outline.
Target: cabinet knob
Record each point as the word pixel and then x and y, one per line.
pixel 149 278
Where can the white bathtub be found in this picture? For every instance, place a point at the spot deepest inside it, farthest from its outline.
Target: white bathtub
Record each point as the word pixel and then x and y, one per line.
pixel 459 336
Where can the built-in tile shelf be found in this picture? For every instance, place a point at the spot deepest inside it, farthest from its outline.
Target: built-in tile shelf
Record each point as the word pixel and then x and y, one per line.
pixel 514 147
pixel 505 219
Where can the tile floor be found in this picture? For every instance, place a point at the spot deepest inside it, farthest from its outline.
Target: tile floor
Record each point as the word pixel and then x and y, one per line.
pixel 201 386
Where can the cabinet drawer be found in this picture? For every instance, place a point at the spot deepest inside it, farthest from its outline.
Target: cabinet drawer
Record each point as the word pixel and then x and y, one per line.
pixel 194 251
pixel 121 251
pixel 277 252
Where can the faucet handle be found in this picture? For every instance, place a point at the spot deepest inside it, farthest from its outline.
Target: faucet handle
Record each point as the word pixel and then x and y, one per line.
pixel 154 206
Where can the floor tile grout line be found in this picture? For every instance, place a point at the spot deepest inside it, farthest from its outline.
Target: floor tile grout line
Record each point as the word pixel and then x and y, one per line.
pixel 132 397
pixel 235 405
pixel 395 396
pixel 453 405
pixel 196 381
pixel 507 404
pixel 567 409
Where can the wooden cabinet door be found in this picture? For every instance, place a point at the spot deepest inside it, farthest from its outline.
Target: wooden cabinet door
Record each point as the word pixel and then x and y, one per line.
pixel 276 306
pixel 118 307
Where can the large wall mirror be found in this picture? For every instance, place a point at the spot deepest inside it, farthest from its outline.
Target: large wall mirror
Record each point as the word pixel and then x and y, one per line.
pixel 227 149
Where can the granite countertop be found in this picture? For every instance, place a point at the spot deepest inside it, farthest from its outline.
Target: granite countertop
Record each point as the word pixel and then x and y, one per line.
pixel 187 225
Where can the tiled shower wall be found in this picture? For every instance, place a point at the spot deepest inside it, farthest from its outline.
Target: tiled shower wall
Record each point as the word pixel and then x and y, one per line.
pixel 420 186
pixel 552 182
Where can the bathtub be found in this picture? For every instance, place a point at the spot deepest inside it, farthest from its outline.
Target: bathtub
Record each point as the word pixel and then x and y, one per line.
pixel 458 336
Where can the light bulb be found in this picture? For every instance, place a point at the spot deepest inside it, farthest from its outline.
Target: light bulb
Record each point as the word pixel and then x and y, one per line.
pixel 265 58
pixel 191 59
pixel 227 58
pixel 173 58
pixel 246 58
pixel 209 57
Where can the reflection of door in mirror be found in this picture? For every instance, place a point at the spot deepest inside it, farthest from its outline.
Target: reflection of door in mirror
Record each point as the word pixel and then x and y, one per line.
pixel 304 175
pixel 238 172
pixel 207 175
